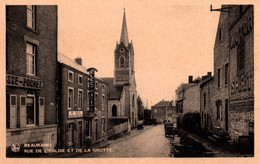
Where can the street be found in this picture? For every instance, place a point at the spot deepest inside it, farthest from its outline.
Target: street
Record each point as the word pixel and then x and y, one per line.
pixel 149 142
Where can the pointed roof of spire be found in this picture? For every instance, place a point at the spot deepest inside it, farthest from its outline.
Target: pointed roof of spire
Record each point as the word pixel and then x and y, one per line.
pixel 124 32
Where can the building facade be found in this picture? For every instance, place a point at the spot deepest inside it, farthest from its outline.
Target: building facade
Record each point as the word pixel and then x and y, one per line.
pixel 188 96
pixel 31 47
pixel 162 111
pixel 241 101
pixel 205 102
pixel 122 87
pixel 233 85
pixel 76 122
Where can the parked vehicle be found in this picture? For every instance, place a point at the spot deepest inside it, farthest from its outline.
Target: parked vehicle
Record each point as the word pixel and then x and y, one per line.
pixel 168 129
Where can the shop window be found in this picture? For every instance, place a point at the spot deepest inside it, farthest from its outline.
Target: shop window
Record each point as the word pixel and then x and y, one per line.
pixel 80 79
pixel 30 58
pixel 80 99
pixel 70 98
pixel 30 109
pixel 70 76
pixel 31 16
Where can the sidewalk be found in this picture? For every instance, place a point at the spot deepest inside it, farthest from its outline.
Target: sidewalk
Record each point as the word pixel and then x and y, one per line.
pixel 219 150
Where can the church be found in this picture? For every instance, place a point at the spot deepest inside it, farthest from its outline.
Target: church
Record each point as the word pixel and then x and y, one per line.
pixel 122 94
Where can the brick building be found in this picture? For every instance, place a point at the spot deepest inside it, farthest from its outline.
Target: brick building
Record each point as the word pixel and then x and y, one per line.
pixel 31 47
pixel 233 85
pixel 162 111
pixel 241 101
pixel 76 122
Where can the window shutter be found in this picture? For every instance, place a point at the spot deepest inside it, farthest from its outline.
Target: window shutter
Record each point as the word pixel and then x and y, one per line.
pixel 22 111
pixel 13 111
pixel 41 110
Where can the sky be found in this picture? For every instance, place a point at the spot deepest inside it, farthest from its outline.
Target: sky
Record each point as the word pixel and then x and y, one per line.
pixel 171 41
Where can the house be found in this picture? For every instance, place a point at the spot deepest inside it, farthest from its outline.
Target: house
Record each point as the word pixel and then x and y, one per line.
pixel 76 121
pixel 31 47
pixel 162 111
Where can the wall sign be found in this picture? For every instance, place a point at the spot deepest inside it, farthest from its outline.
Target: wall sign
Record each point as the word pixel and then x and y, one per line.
pixel 92 89
pixel 23 82
pixel 75 114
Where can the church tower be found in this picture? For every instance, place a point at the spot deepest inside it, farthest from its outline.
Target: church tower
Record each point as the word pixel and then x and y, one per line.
pixel 124 58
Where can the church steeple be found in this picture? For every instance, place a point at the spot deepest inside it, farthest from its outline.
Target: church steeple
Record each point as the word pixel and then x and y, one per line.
pixel 124 32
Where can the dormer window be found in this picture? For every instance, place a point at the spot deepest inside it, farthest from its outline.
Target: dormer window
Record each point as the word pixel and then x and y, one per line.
pixel 121 62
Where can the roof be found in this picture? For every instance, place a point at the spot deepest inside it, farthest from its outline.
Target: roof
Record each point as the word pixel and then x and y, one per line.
pixel 124 33
pixel 162 104
pixel 114 92
pixel 69 62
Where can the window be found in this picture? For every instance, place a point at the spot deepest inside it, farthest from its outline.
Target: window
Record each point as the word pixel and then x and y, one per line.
pixel 218 78
pixel 241 58
pixel 103 102
pixel 30 58
pixel 155 111
pixel 96 96
pixel 103 87
pixel 96 85
pixel 218 105
pixel 80 99
pixel 204 99
pixel 226 74
pixel 121 62
pixel 30 109
pixel 70 76
pixel 70 97
pixel 31 16
pixel 219 34
pixel 80 79
pixel 103 125
pixel 13 100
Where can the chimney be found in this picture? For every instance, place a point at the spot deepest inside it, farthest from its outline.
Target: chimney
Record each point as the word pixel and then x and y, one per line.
pixel 190 79
pixel 209 74
pixel 78 60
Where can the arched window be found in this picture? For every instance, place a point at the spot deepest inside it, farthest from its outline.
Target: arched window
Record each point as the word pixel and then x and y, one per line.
pixel 121 62
pixel 133 101
pixel 114 110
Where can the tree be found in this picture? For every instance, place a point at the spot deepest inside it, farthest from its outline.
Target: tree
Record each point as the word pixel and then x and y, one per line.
pixel 140 108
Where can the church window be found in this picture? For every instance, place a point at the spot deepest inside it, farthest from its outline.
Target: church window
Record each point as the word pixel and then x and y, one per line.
pixel 122 62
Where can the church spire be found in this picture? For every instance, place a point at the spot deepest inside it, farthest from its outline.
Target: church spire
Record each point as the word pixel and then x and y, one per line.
pixel 124 33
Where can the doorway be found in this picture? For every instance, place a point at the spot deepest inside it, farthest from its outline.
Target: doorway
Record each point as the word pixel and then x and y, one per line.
pixel 226 114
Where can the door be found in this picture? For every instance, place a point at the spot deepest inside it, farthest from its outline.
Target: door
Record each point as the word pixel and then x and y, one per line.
pixel 226 114
pixel 80 134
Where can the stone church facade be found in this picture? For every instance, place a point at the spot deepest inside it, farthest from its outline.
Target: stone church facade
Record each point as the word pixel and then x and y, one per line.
pixel 122 95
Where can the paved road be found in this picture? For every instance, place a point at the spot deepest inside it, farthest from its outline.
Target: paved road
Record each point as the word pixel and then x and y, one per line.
pixel 150 142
